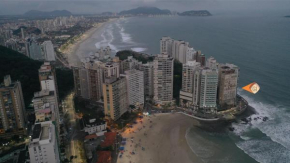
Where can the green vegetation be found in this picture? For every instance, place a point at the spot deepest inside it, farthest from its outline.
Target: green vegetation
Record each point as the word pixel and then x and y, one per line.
pixel 65 81
pixel 139 56
pixel 177 80
pixel 87 109
pixel 21 68
pixel 125 119
pixel 25 70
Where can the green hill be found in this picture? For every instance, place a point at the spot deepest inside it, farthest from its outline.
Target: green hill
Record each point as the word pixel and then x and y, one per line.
pixel 21 68
pixel 24 69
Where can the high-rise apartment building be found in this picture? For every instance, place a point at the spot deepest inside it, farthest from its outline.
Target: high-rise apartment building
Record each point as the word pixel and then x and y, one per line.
pixel 148 78
pixel 208 89
pixel 89 78
pixel 178 49
pixel 35 51
pixel 228 82
pixel 163 79
pixel 46 100
pixel 135 86
pixel 166 45
pixel 48 51
pixel 186 92
pixel 115 97
pixel 12 108
pixel 211 63
pixel 43 146
pixel 129 64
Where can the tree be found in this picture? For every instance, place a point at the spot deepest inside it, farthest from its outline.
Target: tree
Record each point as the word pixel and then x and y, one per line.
pixel 132 106
pixel 16 138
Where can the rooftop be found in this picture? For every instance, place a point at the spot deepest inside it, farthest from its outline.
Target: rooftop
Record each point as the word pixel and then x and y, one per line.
pixel 104 157
pixel 44 133
pixel 109 139
pixel 43 93
pixel 92 136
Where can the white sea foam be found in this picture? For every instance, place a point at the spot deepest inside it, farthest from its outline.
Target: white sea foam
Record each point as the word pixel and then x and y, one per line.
pixel 107 39
pixel 126 38
pixel 265 151
pixel 277 128
pixel 139 49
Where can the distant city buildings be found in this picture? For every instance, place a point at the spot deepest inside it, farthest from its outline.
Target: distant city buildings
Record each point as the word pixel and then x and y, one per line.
pixel 43 146
pixel 12 109
pixel 163 79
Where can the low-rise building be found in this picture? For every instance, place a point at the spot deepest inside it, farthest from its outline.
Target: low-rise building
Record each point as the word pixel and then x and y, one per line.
pixel 92 126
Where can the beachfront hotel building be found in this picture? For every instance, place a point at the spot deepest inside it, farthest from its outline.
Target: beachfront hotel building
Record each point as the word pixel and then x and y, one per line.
pixel 228 82
pixel 48 51
pixel 12 108
pixel 163 79
pixel 186 92
pixel 208 89
pixel 135 86
pixel 43 146
pixel 115 97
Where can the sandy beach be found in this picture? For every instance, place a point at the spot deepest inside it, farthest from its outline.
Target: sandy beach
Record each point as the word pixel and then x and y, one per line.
pixel 164 141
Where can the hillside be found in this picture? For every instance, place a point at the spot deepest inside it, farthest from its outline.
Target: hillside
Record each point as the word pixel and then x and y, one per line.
pixel 195 13
pixel 24 69
pixel 21 68
pixel 36 13
pixel 145 11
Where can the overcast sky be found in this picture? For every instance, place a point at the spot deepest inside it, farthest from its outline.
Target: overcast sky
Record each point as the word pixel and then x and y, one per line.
pixel 8 7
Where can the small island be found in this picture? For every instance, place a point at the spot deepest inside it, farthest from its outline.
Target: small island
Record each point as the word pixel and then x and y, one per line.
pixel 287 16
pixel 195 13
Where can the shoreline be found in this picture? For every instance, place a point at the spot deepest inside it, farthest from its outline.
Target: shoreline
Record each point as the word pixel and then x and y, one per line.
pixel 165 141
pixel 70 53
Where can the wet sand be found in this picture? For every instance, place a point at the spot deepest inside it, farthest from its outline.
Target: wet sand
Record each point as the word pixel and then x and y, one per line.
pixel 165 141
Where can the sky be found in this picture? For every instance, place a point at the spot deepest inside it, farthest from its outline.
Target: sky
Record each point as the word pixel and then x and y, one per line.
pixel 14 7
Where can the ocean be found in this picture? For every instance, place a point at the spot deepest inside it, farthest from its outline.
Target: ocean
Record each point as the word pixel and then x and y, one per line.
pixel 259 43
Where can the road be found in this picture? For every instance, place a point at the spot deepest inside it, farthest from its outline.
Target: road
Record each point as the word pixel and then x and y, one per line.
pixel 75 136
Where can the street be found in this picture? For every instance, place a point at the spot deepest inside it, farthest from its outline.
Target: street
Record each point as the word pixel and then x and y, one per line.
pixel 75 136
